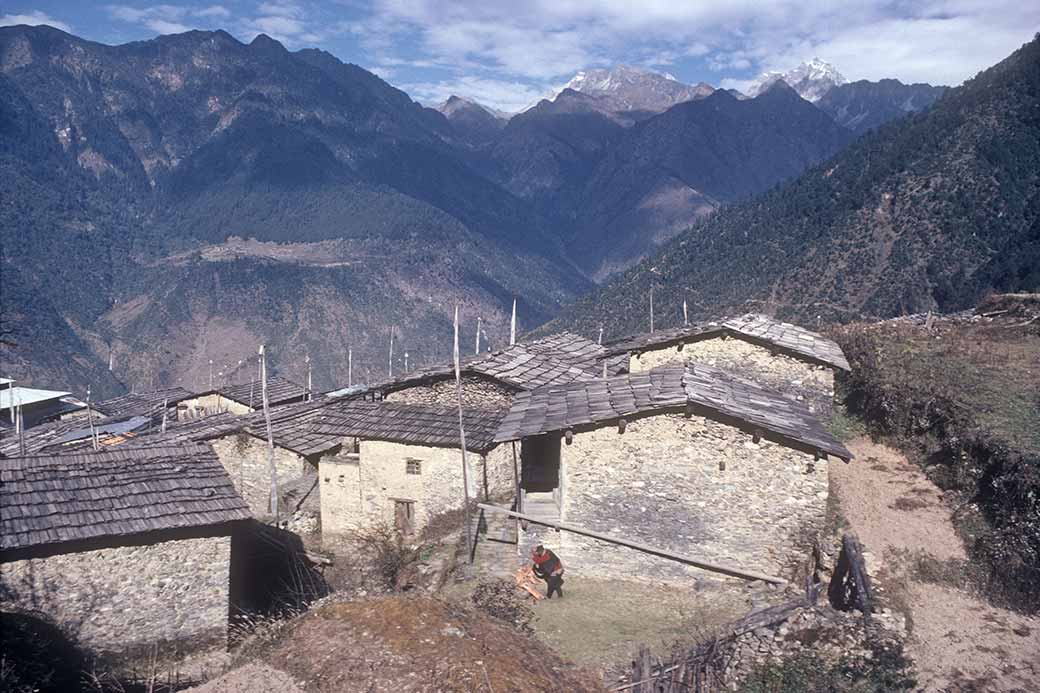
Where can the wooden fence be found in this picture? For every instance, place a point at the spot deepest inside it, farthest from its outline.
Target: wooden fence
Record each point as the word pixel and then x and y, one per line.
pixel 703 667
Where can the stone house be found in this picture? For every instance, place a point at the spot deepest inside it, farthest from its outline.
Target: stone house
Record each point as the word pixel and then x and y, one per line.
pixel 490 380
pixel 784 357
pixel 242 399
pixel 692 460
pixel 123 549
pixel 240 443
pixel 404 464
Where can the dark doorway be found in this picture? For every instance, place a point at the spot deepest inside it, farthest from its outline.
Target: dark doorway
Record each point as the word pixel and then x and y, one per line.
pixel 540 463
pixel 404 516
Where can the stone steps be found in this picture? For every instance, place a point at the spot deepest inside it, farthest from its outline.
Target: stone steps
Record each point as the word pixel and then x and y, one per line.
pixel 495 552
pixel 539 506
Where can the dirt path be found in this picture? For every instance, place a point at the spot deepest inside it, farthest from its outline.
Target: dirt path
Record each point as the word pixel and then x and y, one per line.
pixel 958 642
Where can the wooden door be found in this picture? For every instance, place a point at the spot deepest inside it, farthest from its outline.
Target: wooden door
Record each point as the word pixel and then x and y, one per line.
pixel 404 516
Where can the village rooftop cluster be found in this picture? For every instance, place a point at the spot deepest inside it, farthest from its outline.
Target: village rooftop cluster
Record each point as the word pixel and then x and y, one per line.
pixel 707 441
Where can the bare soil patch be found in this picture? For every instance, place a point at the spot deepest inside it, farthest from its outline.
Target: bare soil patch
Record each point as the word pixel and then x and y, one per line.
pixel 957 641
pixel 406 644
pixel 251 678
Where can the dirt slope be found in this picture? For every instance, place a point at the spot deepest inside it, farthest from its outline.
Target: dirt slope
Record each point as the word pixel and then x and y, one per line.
pixel 958 641
pixel 403 645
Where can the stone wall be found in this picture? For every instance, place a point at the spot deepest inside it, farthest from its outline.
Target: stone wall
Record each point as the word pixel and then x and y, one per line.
pixel 660 484
pixel 476 392
pixel 342 500
pixel 245 459
pixel 500 482
pixel 128 598
pixel 361 490
pixel 213 403
pixel 806 382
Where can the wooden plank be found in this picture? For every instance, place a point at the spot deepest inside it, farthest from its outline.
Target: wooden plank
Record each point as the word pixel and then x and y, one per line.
pixel 732 571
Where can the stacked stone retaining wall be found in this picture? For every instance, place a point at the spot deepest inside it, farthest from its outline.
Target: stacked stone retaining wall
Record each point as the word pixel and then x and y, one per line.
pixel 126 599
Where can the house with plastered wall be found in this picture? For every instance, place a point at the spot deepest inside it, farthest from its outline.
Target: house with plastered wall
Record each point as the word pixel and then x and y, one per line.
pixel 690 459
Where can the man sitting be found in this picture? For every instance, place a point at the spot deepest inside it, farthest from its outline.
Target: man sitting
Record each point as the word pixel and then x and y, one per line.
pixel 548 567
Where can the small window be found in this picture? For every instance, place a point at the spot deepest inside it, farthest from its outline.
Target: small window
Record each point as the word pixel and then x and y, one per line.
pixel 413 466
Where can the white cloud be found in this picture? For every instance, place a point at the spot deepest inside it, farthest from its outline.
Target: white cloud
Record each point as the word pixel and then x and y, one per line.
pixel 214 11
pixel 289 23
pixel 940 41
pixel 34 18
pixel 280 9
pixel 165 26
pixel 170 19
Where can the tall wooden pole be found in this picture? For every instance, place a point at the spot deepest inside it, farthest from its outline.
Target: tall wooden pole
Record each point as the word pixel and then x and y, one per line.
pixel 350 367
pixel 21 429
pixel 512 325
pixel 651 309
pixel 462 442
pixel 19 423
pixel 599 340
pixel 270 435
pixel 90 419
pixel 476 347
pixel 307 360
pixel 391 368
pixel 685 315
pixel 211 374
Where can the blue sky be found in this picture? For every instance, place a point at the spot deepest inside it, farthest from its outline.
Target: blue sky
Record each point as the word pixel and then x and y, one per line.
pixel 507 54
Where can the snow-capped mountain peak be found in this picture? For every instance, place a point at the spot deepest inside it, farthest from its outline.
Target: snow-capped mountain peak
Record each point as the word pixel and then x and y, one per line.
pixel 812 79
pixel 625 88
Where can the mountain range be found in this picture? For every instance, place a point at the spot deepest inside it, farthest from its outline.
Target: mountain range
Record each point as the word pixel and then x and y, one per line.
pixel 172 202
pixel 812 80
pixel 928 212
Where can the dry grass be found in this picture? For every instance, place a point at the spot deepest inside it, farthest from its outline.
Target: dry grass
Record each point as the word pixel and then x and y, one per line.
pixel 962 399
pixel 405 644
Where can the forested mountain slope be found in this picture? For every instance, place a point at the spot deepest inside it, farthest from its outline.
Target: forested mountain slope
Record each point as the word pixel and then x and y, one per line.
pixel 924 213
pixel 679 165
pixel 132 172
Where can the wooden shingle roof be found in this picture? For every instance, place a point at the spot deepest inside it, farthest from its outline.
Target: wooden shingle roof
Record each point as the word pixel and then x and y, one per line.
pixel 279 390
pixel 782 336
pixel 577 351
pixel 292 428
pixel 192 430
pixel 63 498
pixel 715 392
pixel 517 366
pixel 411 424
pixel 141 403
pixel 295 427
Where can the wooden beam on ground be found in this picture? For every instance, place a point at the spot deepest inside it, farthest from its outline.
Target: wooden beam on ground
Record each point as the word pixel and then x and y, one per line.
pixel 732 571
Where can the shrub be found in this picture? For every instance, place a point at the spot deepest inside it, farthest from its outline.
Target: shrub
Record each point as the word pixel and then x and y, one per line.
pixel 383 548
pixel 502 600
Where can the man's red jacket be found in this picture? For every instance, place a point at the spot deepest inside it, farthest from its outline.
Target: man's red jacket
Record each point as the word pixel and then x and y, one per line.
pixel 547 563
